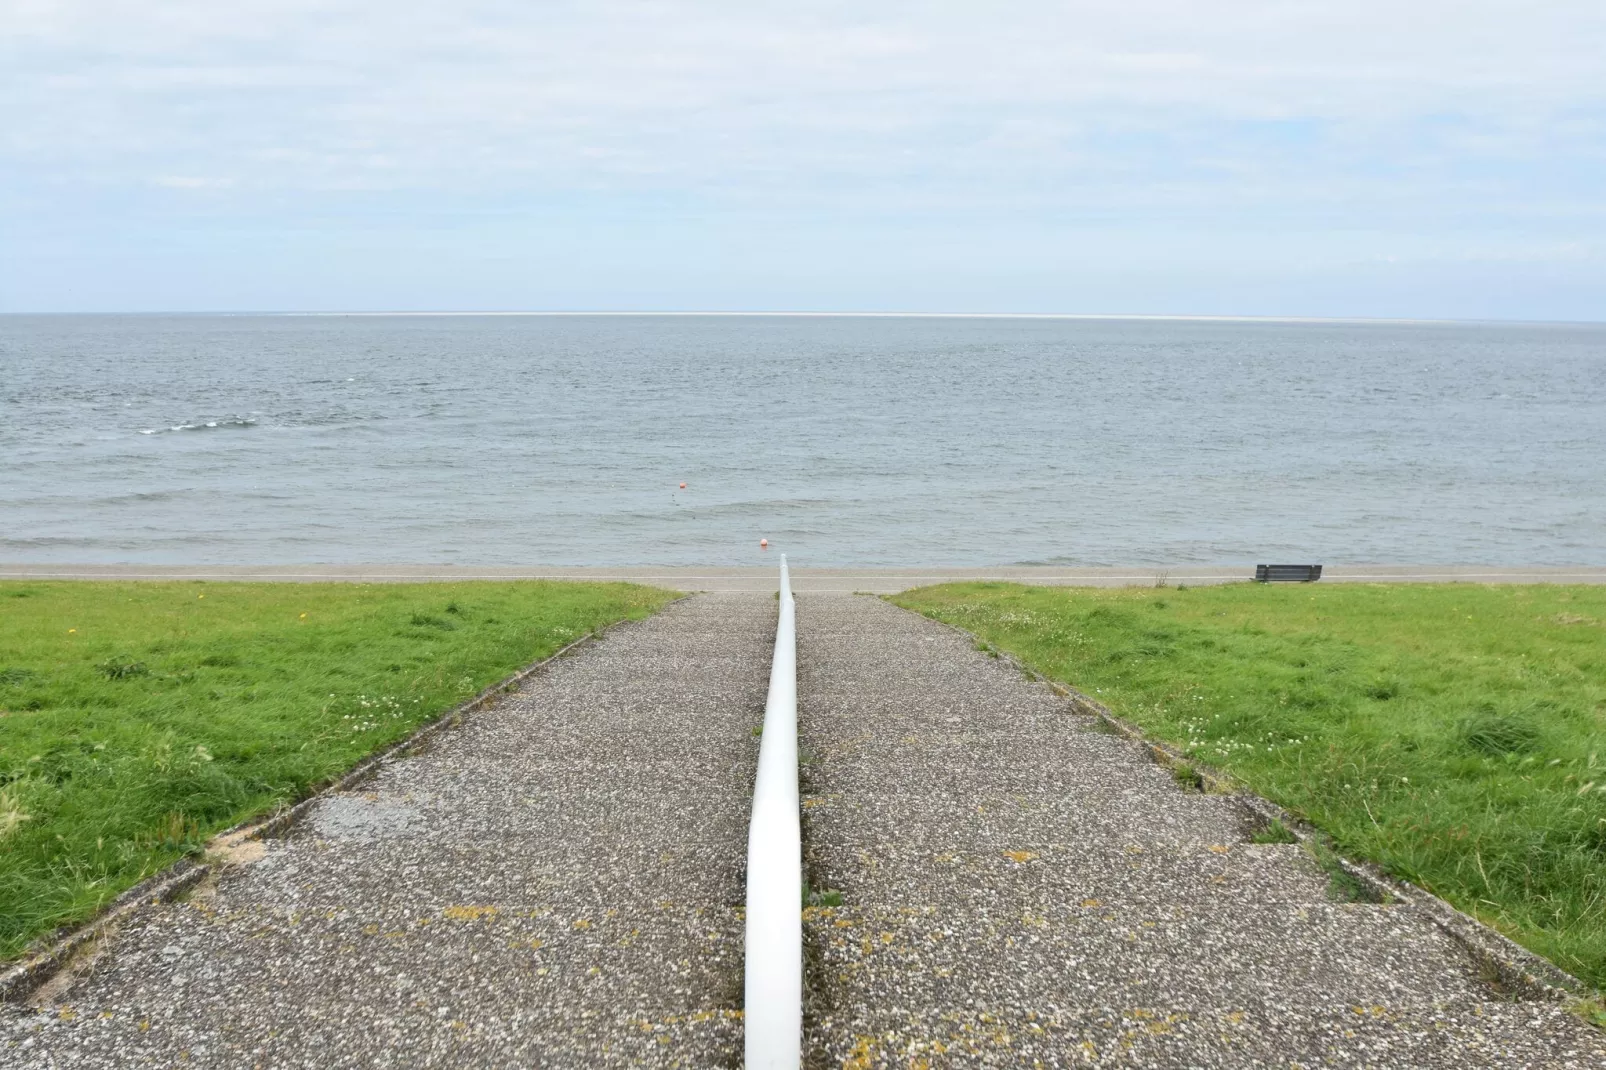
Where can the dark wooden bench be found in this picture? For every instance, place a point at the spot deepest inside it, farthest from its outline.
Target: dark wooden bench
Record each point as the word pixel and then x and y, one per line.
pixel 1287 573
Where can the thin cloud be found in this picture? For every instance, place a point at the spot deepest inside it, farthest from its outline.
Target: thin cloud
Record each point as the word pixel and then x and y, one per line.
pixel 1270 114
pixel 445 93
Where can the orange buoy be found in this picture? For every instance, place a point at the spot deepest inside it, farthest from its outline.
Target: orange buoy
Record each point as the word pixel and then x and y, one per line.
pixel 763 544
pixel 683 486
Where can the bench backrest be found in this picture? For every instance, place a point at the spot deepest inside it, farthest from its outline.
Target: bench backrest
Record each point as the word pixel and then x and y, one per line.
pixel 1288 573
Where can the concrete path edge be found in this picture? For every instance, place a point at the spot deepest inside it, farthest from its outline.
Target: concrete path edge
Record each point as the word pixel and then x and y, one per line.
pixel 22 979
pixel 1516 968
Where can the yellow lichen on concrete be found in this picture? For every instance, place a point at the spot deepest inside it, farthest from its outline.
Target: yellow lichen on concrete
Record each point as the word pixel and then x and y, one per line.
pixel 863 1054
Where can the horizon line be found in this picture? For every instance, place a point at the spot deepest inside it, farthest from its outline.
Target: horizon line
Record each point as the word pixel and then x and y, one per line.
pixel 825 314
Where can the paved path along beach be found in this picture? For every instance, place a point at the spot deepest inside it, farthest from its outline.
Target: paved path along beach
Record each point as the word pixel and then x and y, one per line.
pixel 557 881
pixel 1018 886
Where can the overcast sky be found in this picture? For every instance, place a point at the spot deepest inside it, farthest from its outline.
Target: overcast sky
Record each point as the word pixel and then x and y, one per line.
pixel 1403 158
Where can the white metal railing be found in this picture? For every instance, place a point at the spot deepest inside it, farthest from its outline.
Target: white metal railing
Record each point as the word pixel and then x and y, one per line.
pixel 774 954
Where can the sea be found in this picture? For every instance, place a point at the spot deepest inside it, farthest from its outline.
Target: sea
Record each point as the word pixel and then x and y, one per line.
pixel 841 440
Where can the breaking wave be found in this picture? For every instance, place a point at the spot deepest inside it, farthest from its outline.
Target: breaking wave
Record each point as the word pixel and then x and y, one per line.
pixel 205 425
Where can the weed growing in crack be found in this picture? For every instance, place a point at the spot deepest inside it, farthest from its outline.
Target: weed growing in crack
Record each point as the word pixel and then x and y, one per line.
pixel 823 897
pixel 1273 831
pixel 1187 776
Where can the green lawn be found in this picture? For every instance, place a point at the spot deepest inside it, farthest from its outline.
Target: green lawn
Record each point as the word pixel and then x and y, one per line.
pixel 1456 734
pixel 137 719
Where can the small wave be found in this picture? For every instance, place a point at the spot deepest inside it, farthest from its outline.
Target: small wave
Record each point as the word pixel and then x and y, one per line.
pixel 205 425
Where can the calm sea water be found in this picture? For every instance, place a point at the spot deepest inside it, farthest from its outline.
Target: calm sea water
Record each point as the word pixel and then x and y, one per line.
pixel 844 441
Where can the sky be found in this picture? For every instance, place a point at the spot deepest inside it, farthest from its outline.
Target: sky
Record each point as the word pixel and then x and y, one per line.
pixel 1424 158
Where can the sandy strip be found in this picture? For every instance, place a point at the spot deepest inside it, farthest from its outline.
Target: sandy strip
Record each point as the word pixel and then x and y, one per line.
pixel 812 580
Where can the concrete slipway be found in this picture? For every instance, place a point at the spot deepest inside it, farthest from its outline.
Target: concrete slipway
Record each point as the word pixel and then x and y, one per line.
pixel 558 881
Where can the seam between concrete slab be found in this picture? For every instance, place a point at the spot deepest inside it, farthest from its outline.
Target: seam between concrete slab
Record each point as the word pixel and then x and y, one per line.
pixel 19 981
pixel 1517 968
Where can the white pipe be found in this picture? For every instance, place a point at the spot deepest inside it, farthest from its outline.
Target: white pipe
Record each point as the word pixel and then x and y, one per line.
pixel 774 952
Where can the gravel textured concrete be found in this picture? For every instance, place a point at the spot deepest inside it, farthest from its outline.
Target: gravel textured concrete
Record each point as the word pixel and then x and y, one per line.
pixel 557 881
pixel 1019 887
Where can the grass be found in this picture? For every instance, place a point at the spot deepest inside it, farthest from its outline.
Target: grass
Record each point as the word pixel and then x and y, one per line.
pixel 1273 831
pixel 820 897
pixel 137 719
pixel 1454 734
